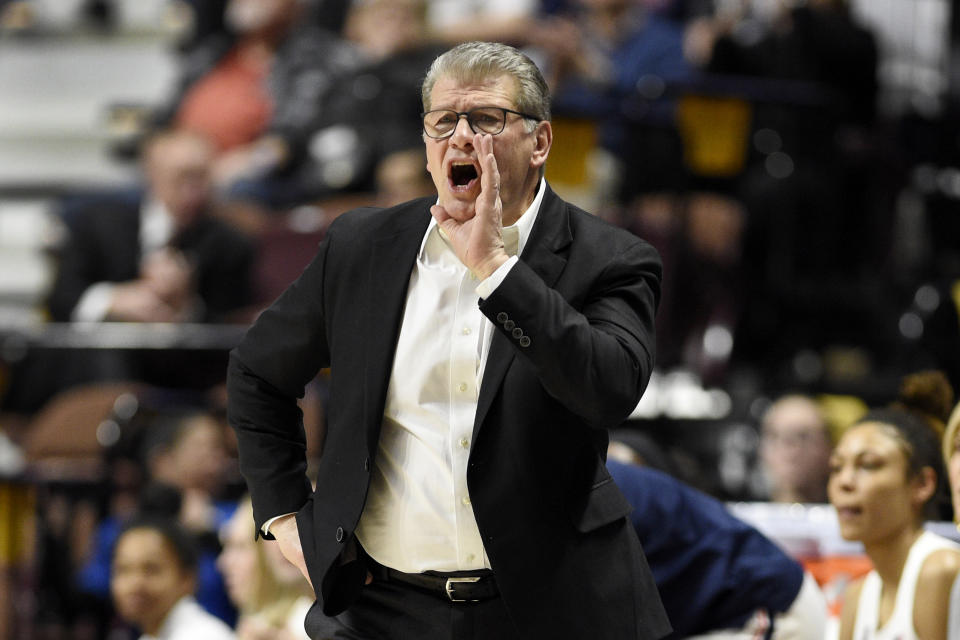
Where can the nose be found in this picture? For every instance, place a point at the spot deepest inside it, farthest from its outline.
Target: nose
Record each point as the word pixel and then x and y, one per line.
pixel 462 135
pixel 844 477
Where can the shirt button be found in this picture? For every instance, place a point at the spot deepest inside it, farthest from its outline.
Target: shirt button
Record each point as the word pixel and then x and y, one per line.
pixel 464 443
pixel 465 500
pixel 466 331
pixel 470 557
pixel 462 387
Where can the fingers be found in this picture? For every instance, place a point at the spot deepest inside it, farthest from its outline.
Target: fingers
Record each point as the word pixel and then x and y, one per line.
pixel 489 200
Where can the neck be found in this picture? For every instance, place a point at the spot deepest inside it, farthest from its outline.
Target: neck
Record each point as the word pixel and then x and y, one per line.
pixel 889 555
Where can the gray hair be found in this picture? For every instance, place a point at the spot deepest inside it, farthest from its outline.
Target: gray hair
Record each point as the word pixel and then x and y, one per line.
pixel 482 61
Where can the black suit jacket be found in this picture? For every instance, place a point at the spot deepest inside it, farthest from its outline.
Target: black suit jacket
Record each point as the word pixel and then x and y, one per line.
pixel 104 246
pixel 553 523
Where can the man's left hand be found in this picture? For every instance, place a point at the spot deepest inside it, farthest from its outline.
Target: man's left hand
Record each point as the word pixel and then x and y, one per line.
pixel 478 242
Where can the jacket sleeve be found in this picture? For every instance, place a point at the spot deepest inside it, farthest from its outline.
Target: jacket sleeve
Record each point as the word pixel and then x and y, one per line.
pixel 268 371
pixel 594 358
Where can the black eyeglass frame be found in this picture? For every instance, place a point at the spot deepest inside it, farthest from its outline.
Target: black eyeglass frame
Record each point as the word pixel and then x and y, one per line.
pixel 460 114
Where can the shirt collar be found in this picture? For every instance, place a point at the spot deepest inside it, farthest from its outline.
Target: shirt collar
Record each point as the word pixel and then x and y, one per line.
pixel 174 619
pixel 514 237
pixel 156 225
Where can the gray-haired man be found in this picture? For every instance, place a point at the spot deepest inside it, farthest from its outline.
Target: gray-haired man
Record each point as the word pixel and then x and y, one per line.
pixel 480 343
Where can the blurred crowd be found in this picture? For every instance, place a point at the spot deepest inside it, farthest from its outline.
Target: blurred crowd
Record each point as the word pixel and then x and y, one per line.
pixel 743 139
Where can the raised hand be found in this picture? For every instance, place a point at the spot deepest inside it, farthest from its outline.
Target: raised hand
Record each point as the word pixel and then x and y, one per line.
pixel 478 241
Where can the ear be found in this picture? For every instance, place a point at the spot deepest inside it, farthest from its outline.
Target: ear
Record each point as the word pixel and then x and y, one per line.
pixel 924 486
pixel 188 585
pixel 543 138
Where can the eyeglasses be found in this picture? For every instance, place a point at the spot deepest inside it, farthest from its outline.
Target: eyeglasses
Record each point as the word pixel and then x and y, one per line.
pixel 441 123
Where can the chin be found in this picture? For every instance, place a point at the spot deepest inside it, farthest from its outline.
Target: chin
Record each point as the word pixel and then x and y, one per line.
pixel 460 210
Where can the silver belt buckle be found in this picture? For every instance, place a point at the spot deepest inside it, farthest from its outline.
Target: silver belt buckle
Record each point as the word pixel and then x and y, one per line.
pixel 449 587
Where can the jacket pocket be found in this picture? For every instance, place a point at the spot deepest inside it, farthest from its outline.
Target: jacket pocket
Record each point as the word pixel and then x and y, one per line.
pixel 602 504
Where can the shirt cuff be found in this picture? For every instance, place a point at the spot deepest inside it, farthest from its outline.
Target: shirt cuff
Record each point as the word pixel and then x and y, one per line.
pixel 265 529
pixel 490 284
pixel 94 304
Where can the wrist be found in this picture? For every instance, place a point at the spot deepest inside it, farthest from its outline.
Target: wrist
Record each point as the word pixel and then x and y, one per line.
pixel 489 266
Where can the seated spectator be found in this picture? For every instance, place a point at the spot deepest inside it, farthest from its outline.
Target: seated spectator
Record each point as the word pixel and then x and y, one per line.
pixel 609 53
pixel 370 116
pixel 716 573
pixel 269 592
pixel 255 91
pixel 159 257
pixel 152 583
pixel 185 457
pixel 885 476
pixel 162 259
pixel 795 447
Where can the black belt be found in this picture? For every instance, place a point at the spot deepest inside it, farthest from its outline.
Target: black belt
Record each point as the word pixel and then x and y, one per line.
pixel 460 587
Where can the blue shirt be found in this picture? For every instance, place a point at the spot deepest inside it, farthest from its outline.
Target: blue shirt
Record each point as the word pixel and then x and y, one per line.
pixel 713 570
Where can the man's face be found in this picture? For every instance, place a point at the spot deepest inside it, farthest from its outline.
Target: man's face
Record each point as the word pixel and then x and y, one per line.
pixel 519 153
pixel 178 169
pixel 147 579
pixel 795 447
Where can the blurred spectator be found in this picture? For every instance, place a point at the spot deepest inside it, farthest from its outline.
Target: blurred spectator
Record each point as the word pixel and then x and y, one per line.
pixel 886 475
pixel 371 113
pixel 161 259
pixel 152 583
pixel 269 592
pixel 612 60
pixel 699 236
pixel 819 217
pixel 185 456
pixel 795 447
pixel 714 572
pixel 156 256
pixel 255 90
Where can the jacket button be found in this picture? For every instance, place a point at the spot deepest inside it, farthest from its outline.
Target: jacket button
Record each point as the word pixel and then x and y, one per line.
pixel 366 464
pixel 502 317
pixel 339 534
pixel 517 333
pixel 509 325
pixel 525 341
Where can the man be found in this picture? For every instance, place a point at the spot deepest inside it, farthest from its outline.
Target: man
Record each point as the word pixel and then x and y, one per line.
pixel 795 447
pixel 465 439
pixel 161 259
pixel 157 257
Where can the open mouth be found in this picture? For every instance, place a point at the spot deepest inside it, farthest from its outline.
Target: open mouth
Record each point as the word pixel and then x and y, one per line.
pixel 462 174
pixel 844 513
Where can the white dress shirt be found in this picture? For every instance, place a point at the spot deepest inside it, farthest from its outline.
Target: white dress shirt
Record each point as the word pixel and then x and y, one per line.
pixel 418 515
pixel 187 620
pixel 156 230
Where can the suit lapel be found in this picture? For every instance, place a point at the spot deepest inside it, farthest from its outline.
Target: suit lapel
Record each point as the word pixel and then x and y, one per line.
pixel 392 257
pixel 550 234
